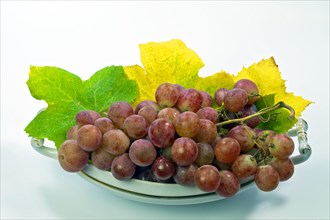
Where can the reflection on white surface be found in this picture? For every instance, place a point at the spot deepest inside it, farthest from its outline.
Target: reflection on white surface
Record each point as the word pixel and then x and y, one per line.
pixel 83 37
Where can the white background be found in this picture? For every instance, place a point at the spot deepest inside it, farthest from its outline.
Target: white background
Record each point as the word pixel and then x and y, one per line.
pixel 83 37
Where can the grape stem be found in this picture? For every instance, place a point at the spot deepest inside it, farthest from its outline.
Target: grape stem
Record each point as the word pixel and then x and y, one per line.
pixel 259 113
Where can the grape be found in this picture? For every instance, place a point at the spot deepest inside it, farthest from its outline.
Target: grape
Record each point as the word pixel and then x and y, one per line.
pixel 166 95
pixel 135 126
pixel 229 184
pixel 118 112
pixel 185 175
pixel 95 115
pixel 115 142
pixel 247 111
pixel 208 113
pixel 149 113
pixel 227 150
pixel 71 157
pixel 207 178
pixel 251 89
pixel 184 151
pixel 219 96
pixel 104 124
pixel 263 140
pixel 122 167
pixel 284 167
pixel 147 103
pixel 169 114
pixel 142 152
pixel 205 154
pixel 72 133
pixel 89 137
pixel 163 168
pixel 281 146
pixel 161 133
pixel 207 99
pixel 235 100
pixel 101 159
pixel 84 118
pixel 189 100
pixel 187 124
pixel 207 132
pixel 267 178
pixel 179 88
pixel 244 135
pixel 244 166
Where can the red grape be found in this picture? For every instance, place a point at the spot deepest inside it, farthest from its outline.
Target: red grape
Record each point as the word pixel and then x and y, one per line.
pixel 207 178
pixel 267 178
pixel 229 184
pixel 161 133
pixel 227 150
pixel 184 151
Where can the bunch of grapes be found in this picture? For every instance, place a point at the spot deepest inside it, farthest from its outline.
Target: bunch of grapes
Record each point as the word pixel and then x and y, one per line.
pixel 180 138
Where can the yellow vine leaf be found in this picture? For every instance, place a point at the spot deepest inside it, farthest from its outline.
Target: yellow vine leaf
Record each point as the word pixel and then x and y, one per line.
pixel 172 61
pixel 268 79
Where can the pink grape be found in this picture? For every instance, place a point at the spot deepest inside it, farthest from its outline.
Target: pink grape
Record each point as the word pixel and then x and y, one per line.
pixel 149 113
pixel 244 135
pixel 189 100
pixel 229 184
pixel 251 89
pixel 208 113
pixel 169 114
pixel 235 100
pixel 101 159
pixel 207 178
pixel 122 168
pixel 163 168
pixel 207 99
pixel 166 95
pixel 227 150
pixel 72 133
pixel 184 151
pixel 187 124
pixel 281 146
pixel 115 142
pixel 104 124
pixel 118 112
pixel 244 166
pixel 84 118
pixel 89 137
pixel 205 154
pixel 284 167
pixel 267 178
pixel 161 133
pixel 135 126
pixel 71 157
pixel 207 131
pixel 219 96
pixel 142 152
pixel 147 103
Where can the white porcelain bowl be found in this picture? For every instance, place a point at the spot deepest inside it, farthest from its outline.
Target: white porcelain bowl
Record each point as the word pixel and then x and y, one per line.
pixel 167 193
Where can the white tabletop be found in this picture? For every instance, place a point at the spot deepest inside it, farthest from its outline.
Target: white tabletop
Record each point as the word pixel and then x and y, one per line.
pixel 83 37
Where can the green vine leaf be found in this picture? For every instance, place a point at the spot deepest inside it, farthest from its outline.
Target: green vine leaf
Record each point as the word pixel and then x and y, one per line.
pixel 66 94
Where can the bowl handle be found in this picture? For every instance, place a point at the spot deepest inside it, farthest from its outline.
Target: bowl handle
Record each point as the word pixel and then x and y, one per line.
pixel 38 145
pixel 305 149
